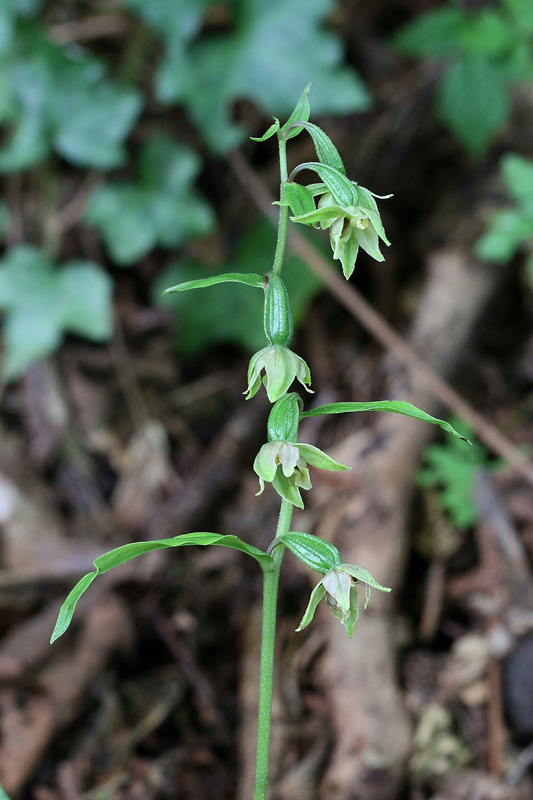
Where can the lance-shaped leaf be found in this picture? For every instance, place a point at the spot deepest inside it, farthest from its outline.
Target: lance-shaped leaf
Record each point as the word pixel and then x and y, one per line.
pixel 125 553
pixel 230 277
pixel 342 190
pixel 313 551
pixel 395 406
pixel 301 113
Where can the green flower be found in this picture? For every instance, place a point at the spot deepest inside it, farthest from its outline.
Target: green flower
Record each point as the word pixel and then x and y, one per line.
pixel 281 367
pixel 284 465
pixel 350 227
pixel 339 586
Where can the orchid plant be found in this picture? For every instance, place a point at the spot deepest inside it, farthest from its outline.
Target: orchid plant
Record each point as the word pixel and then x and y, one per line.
pixel 351 215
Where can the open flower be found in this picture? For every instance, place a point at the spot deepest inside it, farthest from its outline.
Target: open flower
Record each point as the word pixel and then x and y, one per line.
pixel 284 465
pixel 339 586
pixel 350 227
pixel 281 367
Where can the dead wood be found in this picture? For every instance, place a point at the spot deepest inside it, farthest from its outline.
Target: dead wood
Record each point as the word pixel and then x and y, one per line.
pixel 369 525
pixel 27 729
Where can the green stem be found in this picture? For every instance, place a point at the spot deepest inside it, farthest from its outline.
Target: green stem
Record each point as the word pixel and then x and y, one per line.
pixel 268 639
pixel 283 210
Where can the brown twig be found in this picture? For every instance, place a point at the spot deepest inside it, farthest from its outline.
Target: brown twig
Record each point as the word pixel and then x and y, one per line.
pixel 380 329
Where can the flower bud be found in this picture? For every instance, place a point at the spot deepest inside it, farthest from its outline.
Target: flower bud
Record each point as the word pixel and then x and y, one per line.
pixel 277 311
pixel 284 418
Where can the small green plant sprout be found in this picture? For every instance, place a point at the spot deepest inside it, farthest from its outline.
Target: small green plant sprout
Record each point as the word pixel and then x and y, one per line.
pixel 452 468
pixel 351 214
pixel 511 229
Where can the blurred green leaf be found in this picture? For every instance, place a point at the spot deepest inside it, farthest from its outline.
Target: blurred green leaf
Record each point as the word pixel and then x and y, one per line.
pixel 57 98
pixel 431 35
pixel 452 468
pixel 41 302
pixel 517 173
pixel 473 102
pixel 510 228
pixel 230 312
pixel 210 74
pixel 486 33
pixel 507 231
pixel 162 208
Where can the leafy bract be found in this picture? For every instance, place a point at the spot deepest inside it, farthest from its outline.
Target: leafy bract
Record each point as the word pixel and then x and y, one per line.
pixel 58 99
pixel 125 553
pixel 161 208
pixel 231 313
pixel 273 51
pixel 42 302
pixel 230 277
pixel 396 406
pixel 341 188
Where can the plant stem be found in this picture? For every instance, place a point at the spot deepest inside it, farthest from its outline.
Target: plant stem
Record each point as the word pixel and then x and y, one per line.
pixel 268 639
pixel 283 210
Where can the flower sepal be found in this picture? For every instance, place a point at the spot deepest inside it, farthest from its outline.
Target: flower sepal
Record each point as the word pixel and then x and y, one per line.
pixel 281 367
pixel 339 586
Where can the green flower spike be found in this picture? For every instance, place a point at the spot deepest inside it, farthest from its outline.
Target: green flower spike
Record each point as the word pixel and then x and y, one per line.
pixel 339 585
pixel 350 227
pixel 281 367
pixel 284 465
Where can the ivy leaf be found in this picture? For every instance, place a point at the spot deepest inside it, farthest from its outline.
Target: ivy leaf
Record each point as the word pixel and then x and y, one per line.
pixel 121 555
pixel 473 102
pixel 246 63
pixel 163 207
pixel 41 303
pixel 58 99
pixel 395 406
pixel 237 314
pixel 431 35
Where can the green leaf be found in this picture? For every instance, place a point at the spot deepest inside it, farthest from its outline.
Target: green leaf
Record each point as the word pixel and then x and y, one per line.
pixel 42 302
pixel 57 98
pixel 431 35
pixel 299 198
pixel 232 277
pixel 473 102
pixel 344 191
pixel 313 551
pixel 246 63
pixel 316 596
pixel 488 33
pixel 128 551
pixel 326 151
pixel 3 795
pixel 162 208
pixel 274 128
pixel 237 315
pixel 301 113
pixel 395 406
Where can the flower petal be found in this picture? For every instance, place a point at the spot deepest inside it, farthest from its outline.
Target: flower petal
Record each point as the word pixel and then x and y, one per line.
pixel 312 455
